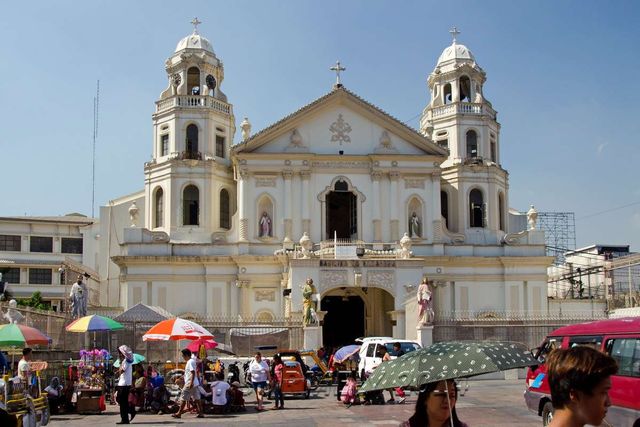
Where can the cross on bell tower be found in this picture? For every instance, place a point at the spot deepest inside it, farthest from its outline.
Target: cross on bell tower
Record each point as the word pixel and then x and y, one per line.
pixel 337 68
pixel 195 22
pixel 454 33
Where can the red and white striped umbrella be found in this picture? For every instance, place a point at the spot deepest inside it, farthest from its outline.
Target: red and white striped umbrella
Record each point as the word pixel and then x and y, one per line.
pixel 176 329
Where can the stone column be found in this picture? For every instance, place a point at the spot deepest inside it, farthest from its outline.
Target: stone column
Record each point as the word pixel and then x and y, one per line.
pixel 243 301
pixel 306 221
pixel 398 316
pixel 375 198
pixel 424 335
pixel 243 185
pixel 394 194
pixel 287 175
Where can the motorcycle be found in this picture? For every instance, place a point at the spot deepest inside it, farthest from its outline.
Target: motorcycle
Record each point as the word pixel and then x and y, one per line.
pixel 247 373
pixel 234 372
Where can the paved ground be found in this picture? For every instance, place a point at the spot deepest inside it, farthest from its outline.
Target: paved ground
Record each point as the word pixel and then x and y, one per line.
pixel 494 403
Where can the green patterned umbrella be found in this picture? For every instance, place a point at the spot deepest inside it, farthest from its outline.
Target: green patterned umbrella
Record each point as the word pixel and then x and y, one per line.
pixel 447 360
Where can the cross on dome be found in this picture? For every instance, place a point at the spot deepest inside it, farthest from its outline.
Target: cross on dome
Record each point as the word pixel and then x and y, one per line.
pixel 337 68
pixel 454 33
pixel 195 24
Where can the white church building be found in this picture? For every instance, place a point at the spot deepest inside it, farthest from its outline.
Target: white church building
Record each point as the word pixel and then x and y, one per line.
pixel 327 192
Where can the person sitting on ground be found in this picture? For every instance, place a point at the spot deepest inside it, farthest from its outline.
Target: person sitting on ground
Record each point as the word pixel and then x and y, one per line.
pixel 237 397
pixel 436 406
pixel 54 395
pixel 349 393
pixel 579 379
pixel 219 390
pixel 139 387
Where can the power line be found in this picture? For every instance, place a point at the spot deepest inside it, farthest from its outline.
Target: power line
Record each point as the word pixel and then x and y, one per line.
pixel 610 210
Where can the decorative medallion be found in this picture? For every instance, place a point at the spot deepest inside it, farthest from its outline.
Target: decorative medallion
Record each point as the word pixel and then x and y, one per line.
pixel 266 295
pixel 385 279
pixel 414 183
pixel 265 181
pixel 340 130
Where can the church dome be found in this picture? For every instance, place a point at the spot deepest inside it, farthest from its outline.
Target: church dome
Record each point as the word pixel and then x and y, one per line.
pixel 194 41
pixel 456 52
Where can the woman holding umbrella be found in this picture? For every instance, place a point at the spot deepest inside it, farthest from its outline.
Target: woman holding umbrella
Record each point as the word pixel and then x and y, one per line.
pixel 436 406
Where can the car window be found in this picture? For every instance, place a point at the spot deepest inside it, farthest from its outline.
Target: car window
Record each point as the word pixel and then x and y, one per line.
pixel 405 347
pixel 546 347
pixel 370 350
pixel 594 341
pixel 626 351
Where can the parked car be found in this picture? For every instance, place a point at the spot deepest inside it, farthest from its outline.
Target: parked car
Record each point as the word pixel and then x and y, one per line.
pixel 620 338
pixel 371 352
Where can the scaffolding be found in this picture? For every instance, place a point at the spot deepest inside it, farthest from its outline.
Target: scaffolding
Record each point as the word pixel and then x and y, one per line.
pixel 559 233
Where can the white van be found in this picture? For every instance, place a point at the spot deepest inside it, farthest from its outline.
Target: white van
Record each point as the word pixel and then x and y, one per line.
pixel 371 352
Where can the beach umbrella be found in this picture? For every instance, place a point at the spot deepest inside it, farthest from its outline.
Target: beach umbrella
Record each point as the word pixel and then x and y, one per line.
pixel 195 345
pixel 93 323
pixel 15 335
pixel 137 358
pixel 176 329
pixel 448 360
pixel 345 353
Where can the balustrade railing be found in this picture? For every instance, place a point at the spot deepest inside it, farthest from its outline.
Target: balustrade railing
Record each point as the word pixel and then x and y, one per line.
pixel 193 101
pixel 462 107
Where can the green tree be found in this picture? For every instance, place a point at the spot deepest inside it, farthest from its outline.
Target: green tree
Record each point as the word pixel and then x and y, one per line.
pixel 35 301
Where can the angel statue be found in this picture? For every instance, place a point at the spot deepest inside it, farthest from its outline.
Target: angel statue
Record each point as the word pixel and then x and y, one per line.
pixel 425 303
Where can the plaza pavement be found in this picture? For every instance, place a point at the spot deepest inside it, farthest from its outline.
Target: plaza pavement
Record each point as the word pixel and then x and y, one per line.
pixel 495 403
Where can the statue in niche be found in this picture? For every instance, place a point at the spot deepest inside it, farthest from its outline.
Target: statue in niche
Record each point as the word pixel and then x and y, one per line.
pixel 425 303
pixel 414 225
pixel 265 225
pixel 309 316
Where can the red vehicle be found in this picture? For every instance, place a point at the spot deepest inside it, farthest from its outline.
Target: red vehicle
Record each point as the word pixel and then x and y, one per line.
pixel 620 338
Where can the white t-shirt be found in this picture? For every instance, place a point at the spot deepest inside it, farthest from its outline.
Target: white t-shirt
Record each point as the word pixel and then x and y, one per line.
pixel 191 369
pixel 24 371
pixel 219 392
pixel 125 375
pixel 259 371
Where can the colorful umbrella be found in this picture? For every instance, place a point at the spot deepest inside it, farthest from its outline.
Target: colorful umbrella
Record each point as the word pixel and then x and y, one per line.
pixel 93 323
pixel 176 329
pixel 208 344
pixel 448 360
pixel 346 352
pixel 137 358
pixel 15 335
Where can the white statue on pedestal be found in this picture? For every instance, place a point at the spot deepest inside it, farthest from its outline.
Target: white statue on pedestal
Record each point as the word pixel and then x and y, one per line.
pixel 79 296
pixel 425 303
pixel 532 218
pixel 306 245
pixel 405 247
pixel 133 214
pixel 13 315
pixel 246 129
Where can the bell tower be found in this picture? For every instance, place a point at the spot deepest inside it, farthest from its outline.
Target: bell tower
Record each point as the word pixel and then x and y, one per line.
pixel 189 187
pixel 474 187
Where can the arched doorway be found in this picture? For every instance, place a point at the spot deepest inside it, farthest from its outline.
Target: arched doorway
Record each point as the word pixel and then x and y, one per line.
pixel 353 312
pixel 344 321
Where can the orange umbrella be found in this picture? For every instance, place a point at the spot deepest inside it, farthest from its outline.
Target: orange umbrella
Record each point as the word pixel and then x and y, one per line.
pixel 176 329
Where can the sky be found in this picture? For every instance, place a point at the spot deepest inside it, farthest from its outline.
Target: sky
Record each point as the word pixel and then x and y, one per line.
pixel 563 76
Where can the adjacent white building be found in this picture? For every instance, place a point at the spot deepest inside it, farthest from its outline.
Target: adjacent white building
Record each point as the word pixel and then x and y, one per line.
pixel 327 192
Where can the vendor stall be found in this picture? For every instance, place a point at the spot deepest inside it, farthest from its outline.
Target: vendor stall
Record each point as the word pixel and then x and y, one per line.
pixel 90 389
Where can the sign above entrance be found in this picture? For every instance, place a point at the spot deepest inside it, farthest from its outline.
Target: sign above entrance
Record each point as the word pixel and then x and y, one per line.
pixel 357 263
pixel 346 252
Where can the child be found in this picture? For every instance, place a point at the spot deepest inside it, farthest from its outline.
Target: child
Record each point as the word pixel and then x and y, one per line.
pixel 348 395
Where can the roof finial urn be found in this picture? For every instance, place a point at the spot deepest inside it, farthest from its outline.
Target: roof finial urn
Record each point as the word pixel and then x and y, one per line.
pixel 133 214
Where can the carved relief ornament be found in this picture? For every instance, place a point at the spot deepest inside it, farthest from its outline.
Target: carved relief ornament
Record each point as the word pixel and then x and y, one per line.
pixel 340 130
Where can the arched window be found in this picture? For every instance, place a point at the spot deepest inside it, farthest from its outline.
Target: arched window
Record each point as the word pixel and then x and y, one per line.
pixel 193 81
pixel 190 205
pixel 476 209
pixel 225 215
pixel 444 207
pixel 159 208
pixel 465 89
pixel 192 141
pixel 448 97
pixel 501 211
pixel 472 143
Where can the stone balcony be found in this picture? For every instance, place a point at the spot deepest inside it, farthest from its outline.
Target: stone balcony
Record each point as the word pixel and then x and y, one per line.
pixel 193 102
pixel 460 108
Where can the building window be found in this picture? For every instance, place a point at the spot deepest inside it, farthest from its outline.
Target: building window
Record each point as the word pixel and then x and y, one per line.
pixel 164 144
pixel 190 205
pixel 41 244
pixel 12 275
pixel 71 245
pixel 472 144
pixel 444 207
pixel 193 81
pixel 9 243
pixel 192 139
pixel 225 216
pixel 476 209
pixel 444 143
pixel 219 146
pixel 159 208
pixel 40 276
pixel 501 211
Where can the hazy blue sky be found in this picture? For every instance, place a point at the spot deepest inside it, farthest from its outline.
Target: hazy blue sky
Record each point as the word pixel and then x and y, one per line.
pixel 563 76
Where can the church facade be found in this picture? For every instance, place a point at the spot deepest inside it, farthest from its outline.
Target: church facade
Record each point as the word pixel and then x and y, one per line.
pixel 339 191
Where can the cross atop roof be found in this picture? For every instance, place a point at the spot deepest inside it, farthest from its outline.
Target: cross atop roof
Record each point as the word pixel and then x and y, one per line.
pixel 454 33
pixel 337 68
pixel 195 23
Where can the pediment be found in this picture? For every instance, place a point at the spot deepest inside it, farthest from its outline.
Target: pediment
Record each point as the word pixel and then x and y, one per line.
pixel 340 121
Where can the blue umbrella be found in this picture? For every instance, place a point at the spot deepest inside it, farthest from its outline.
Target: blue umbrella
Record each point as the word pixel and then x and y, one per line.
pixel 345 353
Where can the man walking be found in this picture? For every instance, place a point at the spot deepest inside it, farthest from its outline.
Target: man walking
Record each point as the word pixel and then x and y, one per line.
pixel 259 376
pixel 125 355
pixel 191 383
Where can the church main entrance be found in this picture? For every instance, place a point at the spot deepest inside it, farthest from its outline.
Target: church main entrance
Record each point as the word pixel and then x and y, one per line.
pixel 342 214
pixel 344 321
